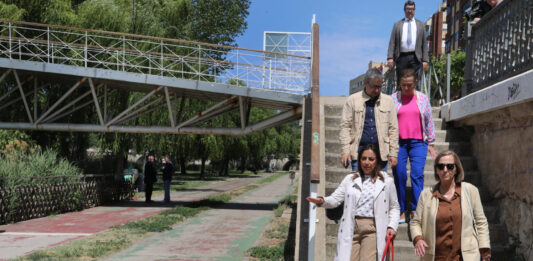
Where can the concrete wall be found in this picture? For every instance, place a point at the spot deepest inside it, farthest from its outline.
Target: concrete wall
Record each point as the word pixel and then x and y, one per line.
pixel 502 117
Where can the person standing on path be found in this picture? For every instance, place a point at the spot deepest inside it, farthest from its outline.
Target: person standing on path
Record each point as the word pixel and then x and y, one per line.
pixel 369 117
pixel 168 170
pixel 149 178
pixel 408 47
pixel 417 135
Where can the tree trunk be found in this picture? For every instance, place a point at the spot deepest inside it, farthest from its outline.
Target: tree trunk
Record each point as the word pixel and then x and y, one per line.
pixel 183 166
pixel 243 164
pixel 202 168
pixel 226 168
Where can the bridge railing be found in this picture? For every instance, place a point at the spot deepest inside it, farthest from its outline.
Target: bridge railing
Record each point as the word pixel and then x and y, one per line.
pixel 500 45
pixel 155 56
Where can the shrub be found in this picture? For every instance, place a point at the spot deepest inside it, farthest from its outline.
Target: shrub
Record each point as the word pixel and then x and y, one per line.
pixel 20 168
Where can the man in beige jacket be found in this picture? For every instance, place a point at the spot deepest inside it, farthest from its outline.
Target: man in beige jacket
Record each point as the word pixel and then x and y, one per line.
pixel 368 117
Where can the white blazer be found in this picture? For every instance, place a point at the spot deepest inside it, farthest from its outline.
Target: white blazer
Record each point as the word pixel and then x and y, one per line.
pixel 386 212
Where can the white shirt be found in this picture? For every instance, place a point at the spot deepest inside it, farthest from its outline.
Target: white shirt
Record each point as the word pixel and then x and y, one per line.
pixel 365 205
pixel 404 47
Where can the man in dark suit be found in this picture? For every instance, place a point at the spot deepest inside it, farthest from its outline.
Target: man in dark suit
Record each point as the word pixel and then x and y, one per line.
pixel 408 47
pixel 149 178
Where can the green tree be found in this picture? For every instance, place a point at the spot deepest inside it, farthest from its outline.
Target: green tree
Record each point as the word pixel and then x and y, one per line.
pixel 457 74
pixel 11 12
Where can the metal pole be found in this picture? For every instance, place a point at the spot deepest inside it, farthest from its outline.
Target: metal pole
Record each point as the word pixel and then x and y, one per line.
pixel 85 50
pixel 96 104
pixel 315 92
pixel 315 144
pixel 305 206
pixel 134 105
pixel 448 65
pixel 35 98
pixel 429 82
pixel 61 99
pixel 23 96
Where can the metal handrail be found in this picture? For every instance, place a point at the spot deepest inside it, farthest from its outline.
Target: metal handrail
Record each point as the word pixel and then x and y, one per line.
pixel 154 55
pixel 500 45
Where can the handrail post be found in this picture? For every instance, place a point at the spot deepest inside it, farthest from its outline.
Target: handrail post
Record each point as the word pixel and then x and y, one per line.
pixel 316 140
pixel 315 92
pixel 10 50
pixel 199 61
pixel 85 51
pixel 469 57
pixel 123 53
pixel 448 76
pixel 48 44
pixel 162 59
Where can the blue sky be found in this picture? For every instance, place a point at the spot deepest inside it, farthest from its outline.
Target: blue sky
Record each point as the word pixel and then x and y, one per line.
pixel 351 32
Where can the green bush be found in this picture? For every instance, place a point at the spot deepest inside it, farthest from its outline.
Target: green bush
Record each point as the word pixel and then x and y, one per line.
pixel 21 168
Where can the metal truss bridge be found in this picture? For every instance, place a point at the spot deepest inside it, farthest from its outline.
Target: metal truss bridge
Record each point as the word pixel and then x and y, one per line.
pixel 35 59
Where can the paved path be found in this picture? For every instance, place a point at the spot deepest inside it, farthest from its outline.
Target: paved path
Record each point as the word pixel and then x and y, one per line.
pixel 28 236
pixel 224 233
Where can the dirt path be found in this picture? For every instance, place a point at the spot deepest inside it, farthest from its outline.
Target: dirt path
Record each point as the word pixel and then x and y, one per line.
pixel 224 233
pixel 28 236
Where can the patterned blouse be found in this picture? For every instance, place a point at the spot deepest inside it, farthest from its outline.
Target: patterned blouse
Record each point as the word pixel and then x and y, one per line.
pixel 365 205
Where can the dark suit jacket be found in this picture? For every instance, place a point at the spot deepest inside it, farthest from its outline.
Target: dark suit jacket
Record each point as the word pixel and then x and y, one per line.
pixel 421 48
pixel 150 174
pixel 168 170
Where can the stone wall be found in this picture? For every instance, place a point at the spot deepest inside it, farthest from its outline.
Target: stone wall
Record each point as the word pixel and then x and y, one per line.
pixel 503 145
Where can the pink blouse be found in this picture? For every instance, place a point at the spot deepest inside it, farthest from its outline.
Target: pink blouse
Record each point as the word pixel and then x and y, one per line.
pixel 409 123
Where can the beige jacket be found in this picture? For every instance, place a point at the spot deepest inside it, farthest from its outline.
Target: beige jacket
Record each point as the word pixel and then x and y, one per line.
pixel 353 119
pixel 474 231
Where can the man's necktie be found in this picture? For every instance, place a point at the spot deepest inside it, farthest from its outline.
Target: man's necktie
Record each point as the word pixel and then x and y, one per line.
pixel 409 39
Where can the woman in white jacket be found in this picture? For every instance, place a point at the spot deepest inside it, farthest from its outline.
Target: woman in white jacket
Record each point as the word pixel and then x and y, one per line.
pixel 371 209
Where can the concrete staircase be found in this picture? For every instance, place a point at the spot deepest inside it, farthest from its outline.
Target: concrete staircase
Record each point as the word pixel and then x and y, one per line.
pixel 454 139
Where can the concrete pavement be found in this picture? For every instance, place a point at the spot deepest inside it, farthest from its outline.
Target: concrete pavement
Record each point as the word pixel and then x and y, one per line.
pixel 28 236
pixel 223 233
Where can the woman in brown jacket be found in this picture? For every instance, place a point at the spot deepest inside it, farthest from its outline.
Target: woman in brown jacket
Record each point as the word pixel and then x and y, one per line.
pixel 449 223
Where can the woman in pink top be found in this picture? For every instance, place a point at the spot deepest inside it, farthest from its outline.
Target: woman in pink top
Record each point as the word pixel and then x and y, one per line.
pixel 417 135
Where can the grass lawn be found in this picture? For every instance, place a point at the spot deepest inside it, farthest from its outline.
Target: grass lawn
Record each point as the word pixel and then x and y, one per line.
pixel 121 237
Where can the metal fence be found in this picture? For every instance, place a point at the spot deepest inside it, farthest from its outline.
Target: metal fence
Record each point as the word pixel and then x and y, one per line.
pixel 154 55
pixel 41 196
pixel 500 45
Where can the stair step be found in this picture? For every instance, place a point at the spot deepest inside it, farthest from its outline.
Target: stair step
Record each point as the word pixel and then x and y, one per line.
pixel 333 121
pixel 461 148
pixel 436 112
pixel 404 250
pixel 330 109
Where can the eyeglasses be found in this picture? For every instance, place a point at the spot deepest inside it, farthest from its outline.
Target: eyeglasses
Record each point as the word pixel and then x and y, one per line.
pixel 409 9
pixel 441 166
pixel 375 86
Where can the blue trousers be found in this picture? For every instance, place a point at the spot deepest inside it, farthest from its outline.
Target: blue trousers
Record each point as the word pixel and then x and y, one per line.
pixel 166 184
pixel 416 151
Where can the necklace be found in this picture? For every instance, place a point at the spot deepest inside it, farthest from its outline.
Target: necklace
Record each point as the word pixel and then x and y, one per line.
pixel 448 194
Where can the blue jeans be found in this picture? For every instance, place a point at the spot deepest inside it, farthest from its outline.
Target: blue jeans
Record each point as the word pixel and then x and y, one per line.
pixel 166 184
pixel 416 151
